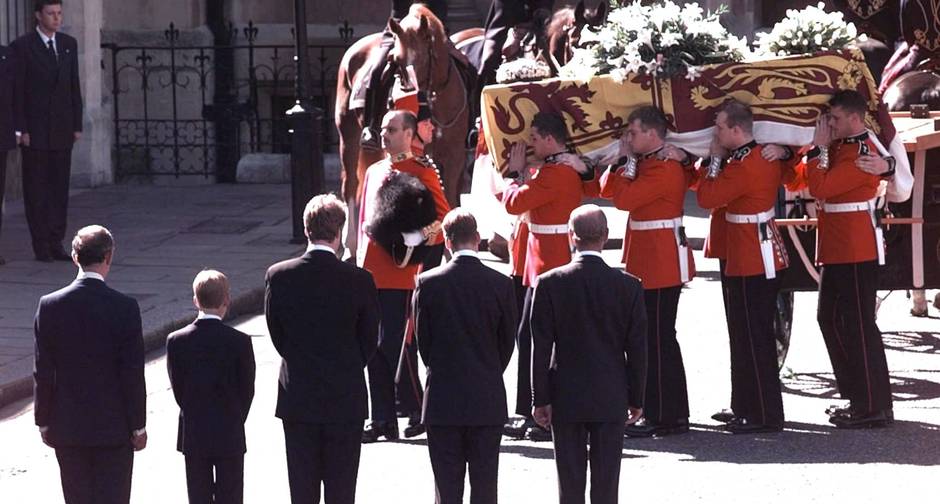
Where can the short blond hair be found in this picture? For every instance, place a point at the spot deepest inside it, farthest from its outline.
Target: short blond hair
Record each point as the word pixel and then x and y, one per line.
pixel 324 217
pixel 210 287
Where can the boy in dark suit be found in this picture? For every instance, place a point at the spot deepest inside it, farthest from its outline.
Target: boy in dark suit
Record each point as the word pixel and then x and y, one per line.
pixel 212 372
pixel 8 137
pixel 465 319
pixel 90 397
pixel 49 118
pixel 323 317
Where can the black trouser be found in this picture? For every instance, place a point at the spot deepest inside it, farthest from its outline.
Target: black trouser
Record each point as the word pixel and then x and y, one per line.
pixel 215 480
pixel 524 347
pixel 846 315
pixel 667 397
pixel 502 16
pixel 725 300
pixel 456 449
pixel 3 183
pixel 46 196
pixel 571 458
pixel 322 453
pixel 98 475
pixel 385 391
pixel 755 377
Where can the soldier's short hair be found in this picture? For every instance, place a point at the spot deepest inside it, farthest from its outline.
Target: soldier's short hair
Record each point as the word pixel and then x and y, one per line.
pixel 850 101
pixel 460 227
pixel 324 217
pixel 39 5
pixel 210 287
pixel 409 122
pixel 551 124
pixel 650 117
pixel 738 115
pixel 92 244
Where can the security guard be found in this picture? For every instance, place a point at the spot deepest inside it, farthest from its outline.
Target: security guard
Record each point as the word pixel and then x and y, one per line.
pixel 747 185
pixel 650 180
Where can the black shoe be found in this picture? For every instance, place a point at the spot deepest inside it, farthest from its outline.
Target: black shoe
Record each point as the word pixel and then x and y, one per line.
pixel 415 427
pixel 645 428
pixel 58 253
pixel 375 430
pixel 2 261
pixel 370 139
pixel 724 416
pixel 537 433
pixel 859 420
pixel 517 427
pixel 44 257
pixel 742 426
pixel 839 409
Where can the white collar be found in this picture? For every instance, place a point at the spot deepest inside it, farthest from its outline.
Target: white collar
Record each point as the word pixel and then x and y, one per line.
pixel 462 253
pixel 45 39
pixel 82 274
pixel 582 253
pixel 323 248
pixel 207 316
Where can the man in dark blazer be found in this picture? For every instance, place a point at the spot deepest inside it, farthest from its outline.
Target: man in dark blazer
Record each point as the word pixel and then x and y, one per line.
pixel 49 118
pixel 322 314
pixel 212 372
pixel 90 398
pixel 588 361
pixel 465 320
pixel 8 138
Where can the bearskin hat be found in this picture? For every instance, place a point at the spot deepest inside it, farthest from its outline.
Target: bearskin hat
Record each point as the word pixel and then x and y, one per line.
pixel 402 204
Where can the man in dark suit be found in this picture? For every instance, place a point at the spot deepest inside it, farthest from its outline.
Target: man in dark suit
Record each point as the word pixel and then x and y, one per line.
pixel 212 372
pixel 588 361
pixel 322 314
pixel 8 138
pixel 49 119
pixel 465 319
pixel 90 398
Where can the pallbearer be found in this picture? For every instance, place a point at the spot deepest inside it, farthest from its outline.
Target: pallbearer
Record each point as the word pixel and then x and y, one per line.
pixel 746 183
pixel 650 180
pixel 850 247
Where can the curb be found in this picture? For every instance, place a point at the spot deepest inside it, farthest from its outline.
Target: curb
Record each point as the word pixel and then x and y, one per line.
pixel 249 302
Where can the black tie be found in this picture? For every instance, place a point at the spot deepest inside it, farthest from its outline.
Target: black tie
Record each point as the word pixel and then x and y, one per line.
pixel 52 52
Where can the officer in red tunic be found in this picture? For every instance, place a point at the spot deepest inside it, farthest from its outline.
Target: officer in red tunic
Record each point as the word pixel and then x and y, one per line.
pixel 395 282
pixel 850 247
pixel 649 181
pixel 747 184
pixel 547 198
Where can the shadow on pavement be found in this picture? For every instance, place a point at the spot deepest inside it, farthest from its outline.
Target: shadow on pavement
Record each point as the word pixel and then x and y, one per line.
pixel 908 443
pixel 903 388
pixel 914 341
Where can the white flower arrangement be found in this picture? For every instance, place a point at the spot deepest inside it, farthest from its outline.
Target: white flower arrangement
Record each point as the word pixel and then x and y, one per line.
pixel 807 31
pixel 522 69
pixel 662 40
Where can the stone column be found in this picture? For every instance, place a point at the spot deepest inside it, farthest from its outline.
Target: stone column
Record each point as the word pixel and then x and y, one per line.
pixel 91 156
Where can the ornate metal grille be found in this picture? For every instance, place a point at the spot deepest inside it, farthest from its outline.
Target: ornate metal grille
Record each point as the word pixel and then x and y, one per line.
pixel 189 109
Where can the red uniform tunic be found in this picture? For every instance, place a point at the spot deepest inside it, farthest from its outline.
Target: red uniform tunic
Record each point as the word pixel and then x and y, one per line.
pixel 657 193
pixel 748 184
pixel 372 257
pixel 518 247
pixel 549 198
pixel 844 237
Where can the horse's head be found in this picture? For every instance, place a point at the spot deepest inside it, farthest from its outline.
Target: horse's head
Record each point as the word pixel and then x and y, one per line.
pixel 420 44
pixel 564 31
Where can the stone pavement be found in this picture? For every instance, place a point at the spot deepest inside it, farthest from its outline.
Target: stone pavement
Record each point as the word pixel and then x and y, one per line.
pixel 164 236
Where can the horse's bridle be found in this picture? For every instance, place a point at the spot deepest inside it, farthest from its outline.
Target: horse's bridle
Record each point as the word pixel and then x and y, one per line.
pixel 432 94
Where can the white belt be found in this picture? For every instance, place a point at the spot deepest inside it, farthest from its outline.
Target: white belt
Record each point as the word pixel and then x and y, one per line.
pixel 766 243
pixel 675 225
pixel 548 228
pixel 750 218
pixel 863 206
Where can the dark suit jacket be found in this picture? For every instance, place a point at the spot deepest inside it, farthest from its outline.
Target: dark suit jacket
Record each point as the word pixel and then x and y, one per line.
pixel 8 68
pixel 48 94
pixel 89 370
pixel 323 317
pixel 589 342
pixel 465 320
pixel 212 372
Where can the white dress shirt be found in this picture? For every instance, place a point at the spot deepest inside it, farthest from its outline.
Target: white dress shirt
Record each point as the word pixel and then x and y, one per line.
pixel 594 253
